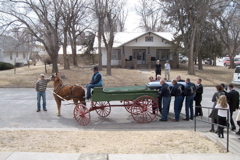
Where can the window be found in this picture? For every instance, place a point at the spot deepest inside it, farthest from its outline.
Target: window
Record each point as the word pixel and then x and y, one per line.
pixel 148 39
pixel 163 54
pixel 116 54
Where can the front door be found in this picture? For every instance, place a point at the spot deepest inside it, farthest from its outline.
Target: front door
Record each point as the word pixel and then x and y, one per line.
pixel 140 55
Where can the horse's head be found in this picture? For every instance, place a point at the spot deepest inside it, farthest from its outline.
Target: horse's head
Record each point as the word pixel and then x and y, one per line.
pixel 52 77
pixel 57 80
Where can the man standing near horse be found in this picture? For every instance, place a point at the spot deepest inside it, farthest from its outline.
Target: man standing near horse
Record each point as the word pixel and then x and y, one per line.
pixel 96 81
pixel 40 87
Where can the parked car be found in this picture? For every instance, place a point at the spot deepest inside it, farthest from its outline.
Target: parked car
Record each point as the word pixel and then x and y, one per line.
pixel 183 59
pixel 236 62
pixel 236 76
pixel 207 61
pixel 225 60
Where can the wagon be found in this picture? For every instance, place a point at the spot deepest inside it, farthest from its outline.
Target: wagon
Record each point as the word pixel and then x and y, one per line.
pixel 140 101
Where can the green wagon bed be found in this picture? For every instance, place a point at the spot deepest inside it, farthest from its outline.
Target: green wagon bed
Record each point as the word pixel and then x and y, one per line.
pixel 121 93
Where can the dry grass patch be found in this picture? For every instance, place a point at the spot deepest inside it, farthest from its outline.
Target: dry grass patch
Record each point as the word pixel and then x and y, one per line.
pixel 111 142
pixel 26 77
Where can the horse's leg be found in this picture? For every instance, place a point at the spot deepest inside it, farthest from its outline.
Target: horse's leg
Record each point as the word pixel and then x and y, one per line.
pixel 58 101
pixel 59 107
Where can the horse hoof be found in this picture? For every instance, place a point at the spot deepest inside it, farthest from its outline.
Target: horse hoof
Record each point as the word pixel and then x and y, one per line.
pixel 58 115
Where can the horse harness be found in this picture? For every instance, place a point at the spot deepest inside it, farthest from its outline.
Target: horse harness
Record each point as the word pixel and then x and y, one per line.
pixel 70 95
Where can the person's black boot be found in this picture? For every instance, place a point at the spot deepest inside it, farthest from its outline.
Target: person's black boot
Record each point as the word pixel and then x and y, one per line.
pixel 238 133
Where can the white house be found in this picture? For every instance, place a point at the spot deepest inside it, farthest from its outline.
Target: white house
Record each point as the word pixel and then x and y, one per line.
pixel 140 50
pixel 11 51
pixel 79 48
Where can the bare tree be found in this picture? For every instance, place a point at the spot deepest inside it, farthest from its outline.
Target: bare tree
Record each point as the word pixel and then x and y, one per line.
pixel 151 16
pixel 108 38
pixel 66 19
pixel 226 17
pixel 186 16
pixel 100 8
pixel 80 21
pixel 122 16
pixel 42 20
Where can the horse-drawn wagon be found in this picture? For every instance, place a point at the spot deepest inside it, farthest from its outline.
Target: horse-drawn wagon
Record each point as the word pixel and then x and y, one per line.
pixel 140 101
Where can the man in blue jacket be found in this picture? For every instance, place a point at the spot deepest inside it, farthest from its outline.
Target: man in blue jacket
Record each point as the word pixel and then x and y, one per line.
pixel 165 93
pixel 189 92
pixel 177 91
pixel 95 82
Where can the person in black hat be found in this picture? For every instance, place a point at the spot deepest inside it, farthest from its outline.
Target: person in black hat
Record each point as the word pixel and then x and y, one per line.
pixel 95 82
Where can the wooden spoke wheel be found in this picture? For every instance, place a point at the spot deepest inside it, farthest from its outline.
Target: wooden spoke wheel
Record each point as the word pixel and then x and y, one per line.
pixel 128 105
pixel 102 108
pixel 81 114
pixel 144 109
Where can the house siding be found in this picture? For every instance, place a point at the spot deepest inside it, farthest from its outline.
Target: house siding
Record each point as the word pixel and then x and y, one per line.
pixel 149 43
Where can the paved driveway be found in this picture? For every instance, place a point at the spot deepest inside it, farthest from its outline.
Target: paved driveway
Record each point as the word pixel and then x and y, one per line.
pixel 18 110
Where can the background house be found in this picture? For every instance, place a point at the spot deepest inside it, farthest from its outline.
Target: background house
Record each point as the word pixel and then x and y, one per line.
pixel 140 50
pixel 12 52
pixel 83 57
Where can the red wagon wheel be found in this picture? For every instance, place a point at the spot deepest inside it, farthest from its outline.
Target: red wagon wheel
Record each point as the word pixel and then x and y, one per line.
pixel 81 114
pixel 102 108
pixel 128 105
pixel 143 109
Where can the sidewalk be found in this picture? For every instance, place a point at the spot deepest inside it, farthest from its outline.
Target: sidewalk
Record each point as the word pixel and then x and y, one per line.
pixel 63 156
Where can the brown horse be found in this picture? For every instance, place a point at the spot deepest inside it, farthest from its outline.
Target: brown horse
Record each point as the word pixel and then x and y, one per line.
pixel 74 92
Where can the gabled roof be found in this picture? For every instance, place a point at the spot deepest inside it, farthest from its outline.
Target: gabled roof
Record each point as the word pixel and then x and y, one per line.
pixel 10 44
pixel 122 38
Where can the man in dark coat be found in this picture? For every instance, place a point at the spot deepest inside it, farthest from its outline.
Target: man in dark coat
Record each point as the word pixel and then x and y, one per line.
pixel 165 93
pixel 177 91
pixel 198 98
pixel 189 90
pixel 233 101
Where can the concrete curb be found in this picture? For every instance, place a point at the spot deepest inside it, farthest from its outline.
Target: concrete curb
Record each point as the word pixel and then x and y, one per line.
pixel 69 156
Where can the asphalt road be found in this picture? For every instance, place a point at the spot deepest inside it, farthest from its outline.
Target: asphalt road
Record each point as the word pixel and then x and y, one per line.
pixel 18 111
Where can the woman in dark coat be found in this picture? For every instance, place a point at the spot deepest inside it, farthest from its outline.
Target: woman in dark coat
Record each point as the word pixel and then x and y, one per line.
pixel 214 114
pixel 158 69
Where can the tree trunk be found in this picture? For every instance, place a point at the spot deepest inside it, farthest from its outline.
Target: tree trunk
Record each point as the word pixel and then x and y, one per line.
pixel 54 64
pixel 65 56
pixel 214 59
pixel 232 65
pixel 191 53
pixel 200 66
pixel 100 45
pixel 109 58
pixel 74 53
pixel 74 49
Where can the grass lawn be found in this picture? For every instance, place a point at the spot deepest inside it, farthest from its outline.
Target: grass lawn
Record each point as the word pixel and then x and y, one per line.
pixel 26 77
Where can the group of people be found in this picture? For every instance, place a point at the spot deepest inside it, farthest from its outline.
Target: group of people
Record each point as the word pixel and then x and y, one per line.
pixel 224 101
pixel 158 69
pixel 190 91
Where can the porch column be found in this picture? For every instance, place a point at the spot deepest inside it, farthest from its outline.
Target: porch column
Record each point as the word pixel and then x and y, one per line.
pixel 148 59
pixel 135 63
pixel 123 61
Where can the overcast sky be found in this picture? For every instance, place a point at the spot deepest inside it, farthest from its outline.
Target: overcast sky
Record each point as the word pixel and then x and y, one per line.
pixel 133 19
